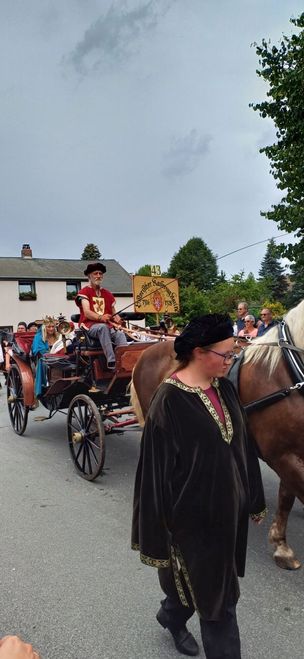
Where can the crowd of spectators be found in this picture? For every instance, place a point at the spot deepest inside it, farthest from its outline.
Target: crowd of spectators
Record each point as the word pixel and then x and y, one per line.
pixel 248 326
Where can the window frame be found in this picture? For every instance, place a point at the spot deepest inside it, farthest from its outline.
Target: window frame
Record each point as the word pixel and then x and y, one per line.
pixel 72 294
pixel 27 295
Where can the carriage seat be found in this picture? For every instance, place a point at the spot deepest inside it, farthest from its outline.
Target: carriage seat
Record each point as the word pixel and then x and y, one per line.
pixel 59 367
pixel 88 343
pixel 64 362
pixel 22 344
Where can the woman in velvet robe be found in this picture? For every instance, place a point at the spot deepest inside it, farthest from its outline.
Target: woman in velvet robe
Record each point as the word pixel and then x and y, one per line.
pixel 198 481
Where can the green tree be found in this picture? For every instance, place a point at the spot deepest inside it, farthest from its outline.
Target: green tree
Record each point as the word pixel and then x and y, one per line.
pixel 192 303
pixel 225 295
pixel 277 309
pixel 144 270
pixel 272 272
pixel 195 264
pixel 295 291
pixel 282 68
pixel 90 253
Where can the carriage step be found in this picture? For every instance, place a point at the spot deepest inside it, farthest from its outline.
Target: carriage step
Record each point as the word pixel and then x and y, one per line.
pixel 98 387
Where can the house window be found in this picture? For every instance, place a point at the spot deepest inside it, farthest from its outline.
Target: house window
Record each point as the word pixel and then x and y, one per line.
pixel 27 290
pixel 72 288
pixel 5 329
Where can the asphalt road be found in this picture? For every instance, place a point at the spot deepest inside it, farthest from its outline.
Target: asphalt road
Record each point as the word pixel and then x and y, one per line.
pixel 69 581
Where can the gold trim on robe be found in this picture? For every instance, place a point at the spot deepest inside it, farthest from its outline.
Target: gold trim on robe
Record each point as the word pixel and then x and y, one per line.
pixel 227 428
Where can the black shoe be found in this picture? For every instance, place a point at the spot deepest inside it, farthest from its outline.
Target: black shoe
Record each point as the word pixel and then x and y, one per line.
pixel 111 366
pixel 185 643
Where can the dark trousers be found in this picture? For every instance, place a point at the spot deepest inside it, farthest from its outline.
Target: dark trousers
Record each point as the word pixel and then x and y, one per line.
pixel 221 639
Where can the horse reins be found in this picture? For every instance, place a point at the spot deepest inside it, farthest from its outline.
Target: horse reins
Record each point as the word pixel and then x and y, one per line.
pixel 294 365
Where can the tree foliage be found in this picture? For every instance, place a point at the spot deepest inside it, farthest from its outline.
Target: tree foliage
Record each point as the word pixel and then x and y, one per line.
pixel 194 264
pixel 272 272
pixel 144 271
pixel 225 295
pixel 192 303
pixel 90 253
pixel 282 68
pixel 295 291
pixel 277 308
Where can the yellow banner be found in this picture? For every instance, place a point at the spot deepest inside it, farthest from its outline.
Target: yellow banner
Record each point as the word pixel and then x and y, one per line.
pixel 155 294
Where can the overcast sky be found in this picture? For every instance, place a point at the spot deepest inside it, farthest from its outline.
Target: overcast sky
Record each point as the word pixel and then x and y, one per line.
pixel 127 124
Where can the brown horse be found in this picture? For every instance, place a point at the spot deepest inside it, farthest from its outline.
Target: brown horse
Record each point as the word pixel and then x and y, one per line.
pixel 277 428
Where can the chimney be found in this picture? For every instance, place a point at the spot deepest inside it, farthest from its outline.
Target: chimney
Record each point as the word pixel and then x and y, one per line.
pixel 26 252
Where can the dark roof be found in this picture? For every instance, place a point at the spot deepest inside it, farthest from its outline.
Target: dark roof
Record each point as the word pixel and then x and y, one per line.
pixel 117 279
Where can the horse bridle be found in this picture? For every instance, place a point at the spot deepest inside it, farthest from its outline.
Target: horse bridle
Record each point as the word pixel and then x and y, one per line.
pixel 294 364
pixel 291 353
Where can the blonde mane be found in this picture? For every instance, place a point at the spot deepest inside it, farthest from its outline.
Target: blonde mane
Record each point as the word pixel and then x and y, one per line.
pixel 268 355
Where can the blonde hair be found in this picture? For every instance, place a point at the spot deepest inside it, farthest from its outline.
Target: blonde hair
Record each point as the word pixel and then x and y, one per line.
pixel 48 320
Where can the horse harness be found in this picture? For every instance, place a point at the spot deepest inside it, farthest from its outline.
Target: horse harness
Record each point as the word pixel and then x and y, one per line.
pixel 295 365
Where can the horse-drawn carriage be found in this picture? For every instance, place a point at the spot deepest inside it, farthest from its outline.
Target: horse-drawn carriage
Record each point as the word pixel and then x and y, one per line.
pixel 78 384
pixel 272 371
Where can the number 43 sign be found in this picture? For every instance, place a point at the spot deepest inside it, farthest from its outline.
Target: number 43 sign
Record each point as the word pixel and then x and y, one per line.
pixel 155 271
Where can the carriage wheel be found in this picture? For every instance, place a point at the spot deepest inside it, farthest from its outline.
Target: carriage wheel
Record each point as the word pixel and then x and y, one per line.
pixel 17 410
pixel 86 437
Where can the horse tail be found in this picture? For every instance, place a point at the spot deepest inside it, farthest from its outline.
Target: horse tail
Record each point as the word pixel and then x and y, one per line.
pixel 136 405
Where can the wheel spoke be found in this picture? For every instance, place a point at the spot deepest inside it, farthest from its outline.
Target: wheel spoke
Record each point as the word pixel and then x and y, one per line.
pixel 89 423
pixel 17 416
pixel 13 412
pixel 80 415
pixel 72 427
pixel 77 419
pixel 90 448
pixel 85 419
pixel 88 458
pixel 83 459
pixel 92 443
pixel 78 452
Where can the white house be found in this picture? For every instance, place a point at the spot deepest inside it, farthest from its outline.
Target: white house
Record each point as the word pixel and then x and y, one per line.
pixel 32 288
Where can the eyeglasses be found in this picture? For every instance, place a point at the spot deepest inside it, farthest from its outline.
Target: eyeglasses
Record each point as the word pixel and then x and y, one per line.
pixel 227 356
pixel 248 321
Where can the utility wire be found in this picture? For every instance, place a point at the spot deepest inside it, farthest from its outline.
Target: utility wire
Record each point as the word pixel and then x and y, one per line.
pixel 252 245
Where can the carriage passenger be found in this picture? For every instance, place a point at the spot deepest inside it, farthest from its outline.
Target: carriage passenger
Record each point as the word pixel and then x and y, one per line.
pixel 43 341
pixel 45 337
pixel 33 327
pixel 22 326
pixel 197 482
pixel 97 310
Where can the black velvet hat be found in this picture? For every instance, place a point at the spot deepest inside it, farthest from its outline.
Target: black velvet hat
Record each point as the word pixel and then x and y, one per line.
pixel 203 331
pixel 95 266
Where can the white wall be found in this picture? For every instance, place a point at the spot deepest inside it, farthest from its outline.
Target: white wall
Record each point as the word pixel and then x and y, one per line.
pixel 51 301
